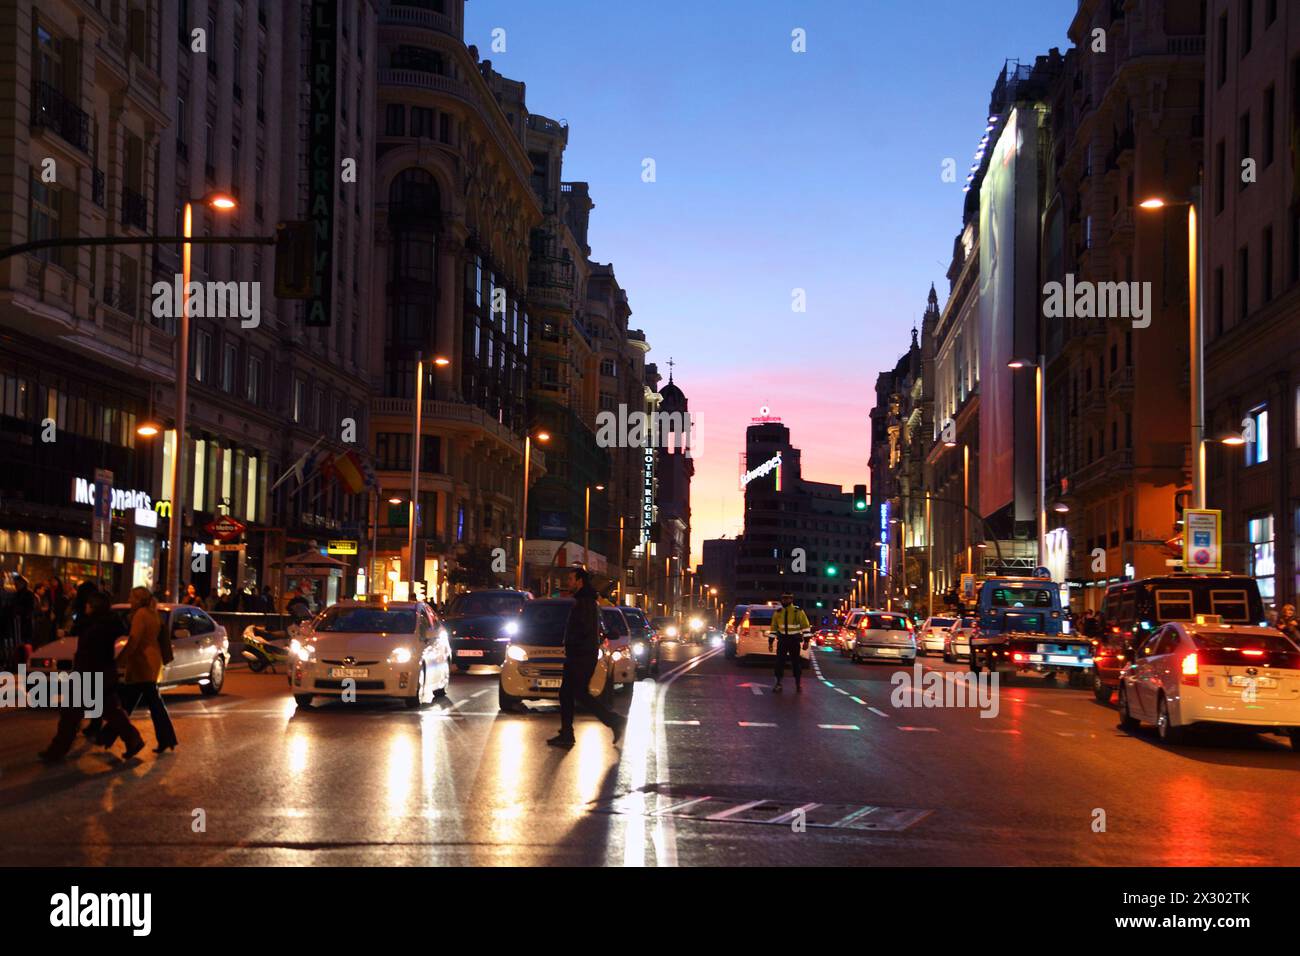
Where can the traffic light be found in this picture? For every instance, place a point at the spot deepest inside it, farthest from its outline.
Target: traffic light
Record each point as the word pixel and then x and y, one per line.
pixel 295 260
pixel 859 497
pixel 831 570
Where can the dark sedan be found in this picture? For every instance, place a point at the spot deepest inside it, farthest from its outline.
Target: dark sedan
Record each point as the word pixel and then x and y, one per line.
pixel 480 624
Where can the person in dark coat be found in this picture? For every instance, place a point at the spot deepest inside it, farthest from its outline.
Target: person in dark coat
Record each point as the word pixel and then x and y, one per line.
pixel 97 633
pixel 24 606
pixel 581 647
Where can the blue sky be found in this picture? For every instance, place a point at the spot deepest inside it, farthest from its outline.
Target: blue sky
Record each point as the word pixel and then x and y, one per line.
pixel 775 170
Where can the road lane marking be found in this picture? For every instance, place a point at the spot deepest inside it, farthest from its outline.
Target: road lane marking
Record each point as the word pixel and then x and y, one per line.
pixel 933 730
pixel 839 726
pixel 1059 713
pixel 683 723
pixel 747 723
pixel 794 813
pixel 878 713
pixel 723 814
pixel 680 805
pixel 480 693
pixel 756 688
pixel 858 700
pixel 993 730
pixel 840 690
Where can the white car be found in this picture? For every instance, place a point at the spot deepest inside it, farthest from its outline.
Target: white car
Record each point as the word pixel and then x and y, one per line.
pixel 931 636
pixel 620 646
pixel 200 648
pixel 956 643
pixel 844 640
pixel 753 630
pixel 372 649
pixel 881 634
pixel 1196 674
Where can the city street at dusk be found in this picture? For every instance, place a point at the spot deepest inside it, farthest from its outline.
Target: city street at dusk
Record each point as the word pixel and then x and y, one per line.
pixel 459 457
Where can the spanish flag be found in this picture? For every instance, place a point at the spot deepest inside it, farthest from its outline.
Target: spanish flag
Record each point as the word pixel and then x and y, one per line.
pixel 349 471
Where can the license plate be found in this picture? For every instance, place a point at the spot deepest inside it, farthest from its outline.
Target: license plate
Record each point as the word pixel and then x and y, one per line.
pixel 1062 659
pixel 1243 681
pixel 887 651
pixel 548 683
pixel 469 653
pixel 349 672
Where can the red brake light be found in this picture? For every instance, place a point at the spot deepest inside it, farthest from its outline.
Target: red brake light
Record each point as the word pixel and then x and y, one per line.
pixel 1190 673
pixel 1251 652
pixel 1018 657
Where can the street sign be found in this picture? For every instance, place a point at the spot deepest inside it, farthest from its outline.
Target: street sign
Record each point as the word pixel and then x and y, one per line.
pixel 225 527
pixel 341 547
pixel 968 587
pixel 1202 539
pixel 102 524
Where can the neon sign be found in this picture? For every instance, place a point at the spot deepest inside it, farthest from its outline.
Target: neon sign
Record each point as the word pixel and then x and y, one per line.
pixel 763 469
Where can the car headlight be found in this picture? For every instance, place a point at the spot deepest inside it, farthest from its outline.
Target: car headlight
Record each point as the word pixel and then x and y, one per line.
pixel 511 628
pixel 516 653
pixel 304 652
pixel 638 649
pixel 696 624
pixel 617 656
pixel 671 631
pixel 400 655
pixel 716 640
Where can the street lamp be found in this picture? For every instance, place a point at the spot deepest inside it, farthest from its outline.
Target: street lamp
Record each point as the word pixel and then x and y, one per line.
pixel 1195 284
pixel 222 202
pixel 586 525
pixel 1040 430
pixel 523 511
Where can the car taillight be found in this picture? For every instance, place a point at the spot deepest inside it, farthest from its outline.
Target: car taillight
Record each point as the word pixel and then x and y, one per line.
pixel 744 630
pixel 1019 657
pixel 1190 674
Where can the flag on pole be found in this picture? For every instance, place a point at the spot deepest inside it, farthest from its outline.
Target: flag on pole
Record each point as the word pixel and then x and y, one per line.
pixel 348 470
pixel 300 468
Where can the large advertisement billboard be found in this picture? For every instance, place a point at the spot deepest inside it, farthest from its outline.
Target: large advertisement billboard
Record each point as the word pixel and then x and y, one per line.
pixel 1008 306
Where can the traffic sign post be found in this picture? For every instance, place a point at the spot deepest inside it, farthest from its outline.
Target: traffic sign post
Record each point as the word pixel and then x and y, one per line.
pixel 1202 539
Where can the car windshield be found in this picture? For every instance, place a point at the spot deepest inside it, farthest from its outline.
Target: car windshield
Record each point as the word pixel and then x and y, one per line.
pixel 1021 597
pixel 615 623
pixel 761 615
pixel 941 622
pixel 485 602
pixel 543 624
pixel 885 622
pixel 636 622
pixel 366 620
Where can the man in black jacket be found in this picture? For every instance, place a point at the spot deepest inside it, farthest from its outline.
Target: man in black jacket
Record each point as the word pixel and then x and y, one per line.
pixel 581 647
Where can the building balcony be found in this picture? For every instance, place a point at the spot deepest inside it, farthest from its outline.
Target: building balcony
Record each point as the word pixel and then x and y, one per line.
pixel 415 15
pixel 53 111
pixel 420 79
pixel 1094 403
pixel 1120 384
pixel 456 415
pixel 1103 474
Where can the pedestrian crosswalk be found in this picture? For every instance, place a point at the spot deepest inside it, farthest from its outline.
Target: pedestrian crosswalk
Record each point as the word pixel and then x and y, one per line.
pixel 796 814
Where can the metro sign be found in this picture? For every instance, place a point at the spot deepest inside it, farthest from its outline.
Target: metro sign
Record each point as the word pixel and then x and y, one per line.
pixel 225 528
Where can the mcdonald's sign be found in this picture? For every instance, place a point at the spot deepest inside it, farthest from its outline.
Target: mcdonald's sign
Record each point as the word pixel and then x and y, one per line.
pixel 163 507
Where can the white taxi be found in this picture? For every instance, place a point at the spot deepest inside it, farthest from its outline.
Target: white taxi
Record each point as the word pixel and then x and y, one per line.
pixel 620 646
pixel 534 664
pixel 754 630
pixel 931 636
pixel 881 634
pixel 357 649
pixel 1211 673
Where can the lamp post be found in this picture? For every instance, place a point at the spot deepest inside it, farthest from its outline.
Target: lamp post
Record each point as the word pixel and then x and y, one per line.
pixel 1040 431
pixel 1195 321
pixel 224 203
pixel 523 510
pixel 586 525
pixel 416 427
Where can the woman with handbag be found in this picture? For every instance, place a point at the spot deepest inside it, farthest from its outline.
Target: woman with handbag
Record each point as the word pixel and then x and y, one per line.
pixel 142 668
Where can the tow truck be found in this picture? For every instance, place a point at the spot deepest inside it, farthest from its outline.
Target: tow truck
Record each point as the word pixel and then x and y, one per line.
pixel 1023 629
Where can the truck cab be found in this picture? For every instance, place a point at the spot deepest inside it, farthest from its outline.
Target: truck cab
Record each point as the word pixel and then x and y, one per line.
pixel 1023 628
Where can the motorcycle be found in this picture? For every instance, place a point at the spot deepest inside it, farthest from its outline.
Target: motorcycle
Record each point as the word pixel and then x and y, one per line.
pixel 265 648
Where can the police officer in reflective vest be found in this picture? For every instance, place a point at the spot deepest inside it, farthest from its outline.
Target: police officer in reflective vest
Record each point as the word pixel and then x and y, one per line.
pixel 789 630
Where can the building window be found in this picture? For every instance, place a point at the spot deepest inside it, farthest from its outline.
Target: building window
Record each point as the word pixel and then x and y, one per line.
pixel 1220 174
pixel 395 120
pixel 1257 450
pixel 1247 25
pixel 200 474
pixel 416 58
pixel 1259 531
pixel 1223 48
pixel 1243 145
pixel 229 356
pixel 299 399
pixel 1270 121
pixel 607 367
pixel 421 122
pixel 1270 12
pixel 253 380
pixel 1243 283
pixel 1218 301
pixel 1266 267
pixel 46 219
pixel 202 354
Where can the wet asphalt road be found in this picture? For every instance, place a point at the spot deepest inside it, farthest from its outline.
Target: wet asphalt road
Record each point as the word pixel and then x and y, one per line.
pixel 715 770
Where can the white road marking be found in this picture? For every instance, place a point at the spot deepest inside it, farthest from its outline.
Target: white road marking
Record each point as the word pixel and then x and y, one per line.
pixel 839 726
pixel 933 730
pixel 480 693
pixel 795 812
pixel 1059 713
pixel 992 730
pixel 878 713
pixel 683 723
pixel 747 723
pixel 723 814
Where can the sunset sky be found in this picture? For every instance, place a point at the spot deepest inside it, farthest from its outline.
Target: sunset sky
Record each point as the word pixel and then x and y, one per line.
pixel 775 171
